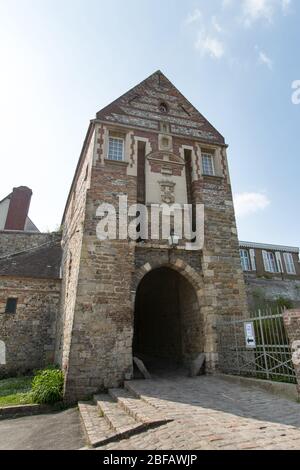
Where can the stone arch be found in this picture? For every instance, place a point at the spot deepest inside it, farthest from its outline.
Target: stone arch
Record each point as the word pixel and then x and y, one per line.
pixel 180 266
pixel 2 353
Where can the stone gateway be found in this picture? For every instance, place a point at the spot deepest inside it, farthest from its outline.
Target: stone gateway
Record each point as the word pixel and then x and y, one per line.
pixel 121 298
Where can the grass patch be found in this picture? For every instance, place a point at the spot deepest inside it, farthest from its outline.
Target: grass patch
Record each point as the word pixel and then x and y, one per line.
pixel 16 391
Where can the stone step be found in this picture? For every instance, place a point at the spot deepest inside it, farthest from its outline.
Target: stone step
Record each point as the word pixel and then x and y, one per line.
pixel 96 429
pixel 136 388
pixel 139 410
pixel 116 417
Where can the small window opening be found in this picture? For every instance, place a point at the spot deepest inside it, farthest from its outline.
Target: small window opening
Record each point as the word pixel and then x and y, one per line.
pixel 163 107
pixel 11 305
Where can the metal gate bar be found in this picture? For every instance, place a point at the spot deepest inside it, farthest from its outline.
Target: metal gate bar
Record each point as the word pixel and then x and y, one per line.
pixel 271 358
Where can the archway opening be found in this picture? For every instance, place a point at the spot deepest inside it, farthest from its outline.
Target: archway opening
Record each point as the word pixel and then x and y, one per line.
pixel 168 328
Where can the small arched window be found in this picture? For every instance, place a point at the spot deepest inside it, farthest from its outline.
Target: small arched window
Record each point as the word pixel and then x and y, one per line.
pixel 163 107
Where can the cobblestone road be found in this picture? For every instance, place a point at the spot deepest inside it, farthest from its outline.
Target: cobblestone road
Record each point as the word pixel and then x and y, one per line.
pixel 210 413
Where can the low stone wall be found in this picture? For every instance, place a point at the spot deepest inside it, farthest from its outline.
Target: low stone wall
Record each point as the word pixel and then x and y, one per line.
pixel 27 338
pixel 15 242
pixel 271 289
pixel 292 324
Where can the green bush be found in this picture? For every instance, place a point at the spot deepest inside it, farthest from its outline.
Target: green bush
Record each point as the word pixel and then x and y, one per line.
pixel 47 386
pixel 282 302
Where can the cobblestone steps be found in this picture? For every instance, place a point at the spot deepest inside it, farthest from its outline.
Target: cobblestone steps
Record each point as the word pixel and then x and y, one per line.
pixel 137 408
pixel 117 416
pixel 95 427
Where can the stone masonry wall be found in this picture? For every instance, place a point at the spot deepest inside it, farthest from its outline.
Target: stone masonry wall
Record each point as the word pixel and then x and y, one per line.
pixel 259 289
pixel 72 245
pixel 29 334
pixel 222 273
pixel 15 242
pixel 292 324
pixel 101 345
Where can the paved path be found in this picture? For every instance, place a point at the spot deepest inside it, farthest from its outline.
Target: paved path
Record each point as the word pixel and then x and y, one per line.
pixel 60 431
pixel 210 413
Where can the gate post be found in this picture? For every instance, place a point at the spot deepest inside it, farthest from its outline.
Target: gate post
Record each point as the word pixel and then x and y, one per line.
pixel 291 320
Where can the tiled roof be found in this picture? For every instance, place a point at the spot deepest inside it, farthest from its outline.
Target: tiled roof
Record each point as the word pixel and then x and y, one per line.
pixel 41 262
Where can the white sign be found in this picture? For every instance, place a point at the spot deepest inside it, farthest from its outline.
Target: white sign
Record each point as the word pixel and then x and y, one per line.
pixel 2 353
pixel 250 335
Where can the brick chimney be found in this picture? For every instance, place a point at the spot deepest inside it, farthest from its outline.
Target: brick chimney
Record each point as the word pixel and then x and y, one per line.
pixel 18 208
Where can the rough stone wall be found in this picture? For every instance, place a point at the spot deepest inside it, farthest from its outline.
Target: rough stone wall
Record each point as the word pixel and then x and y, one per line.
pixel 191 322
pixel 292 324
pixel 259 290
pixel 29 334
pixel 222 273
pixel 101 339
pixel 72 245
pixel 15 242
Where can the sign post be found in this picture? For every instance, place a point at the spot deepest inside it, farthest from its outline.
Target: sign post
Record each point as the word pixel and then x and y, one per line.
pixel 250 335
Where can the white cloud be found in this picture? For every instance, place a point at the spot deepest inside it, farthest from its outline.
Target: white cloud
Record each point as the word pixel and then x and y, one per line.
pixel 210 45
pixel 285 5
pixel 216 24
pixel 249 203
pixel 265 10
pixel 264 59
pixel 193 17
pixel 254 10
pixel 227 3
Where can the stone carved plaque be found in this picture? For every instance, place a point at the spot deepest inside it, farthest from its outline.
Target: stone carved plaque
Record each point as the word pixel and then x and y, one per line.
pixel 167 189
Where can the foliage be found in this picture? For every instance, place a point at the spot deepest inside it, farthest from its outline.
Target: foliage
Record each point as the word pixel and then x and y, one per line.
pixel 261 302
pixel 282 302
pixel 15 391
pixel 47 386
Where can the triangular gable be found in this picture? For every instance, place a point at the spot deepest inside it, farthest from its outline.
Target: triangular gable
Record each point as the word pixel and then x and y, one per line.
pixel 157 100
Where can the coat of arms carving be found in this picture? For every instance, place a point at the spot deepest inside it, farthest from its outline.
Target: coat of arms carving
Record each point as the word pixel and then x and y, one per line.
pixel 167 191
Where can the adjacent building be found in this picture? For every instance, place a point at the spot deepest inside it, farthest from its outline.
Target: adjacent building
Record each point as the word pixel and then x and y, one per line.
pixel 271 272
pixel 14 211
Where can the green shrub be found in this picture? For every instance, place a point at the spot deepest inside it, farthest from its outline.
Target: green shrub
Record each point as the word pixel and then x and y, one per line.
pixel 47 386
pixel 282 302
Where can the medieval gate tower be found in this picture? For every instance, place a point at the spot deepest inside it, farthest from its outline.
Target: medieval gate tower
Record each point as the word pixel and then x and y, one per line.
pixel 121 297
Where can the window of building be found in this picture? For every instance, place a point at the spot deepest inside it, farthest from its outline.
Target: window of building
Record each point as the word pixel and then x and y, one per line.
pixel 245 260
pixel 208 164
pixel 253 259
pixel 289 263
pixel 116 149
pixel 270 262
pixel 11 305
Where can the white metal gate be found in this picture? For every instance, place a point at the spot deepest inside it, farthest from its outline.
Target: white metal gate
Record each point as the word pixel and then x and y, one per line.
pixel 257 346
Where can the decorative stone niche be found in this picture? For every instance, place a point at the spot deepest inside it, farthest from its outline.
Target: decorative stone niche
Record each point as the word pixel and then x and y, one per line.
pixel 165 143
pixel 167 191
pixel 165 178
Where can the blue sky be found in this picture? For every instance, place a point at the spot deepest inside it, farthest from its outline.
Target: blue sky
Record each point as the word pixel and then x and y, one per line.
pixel 235 60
